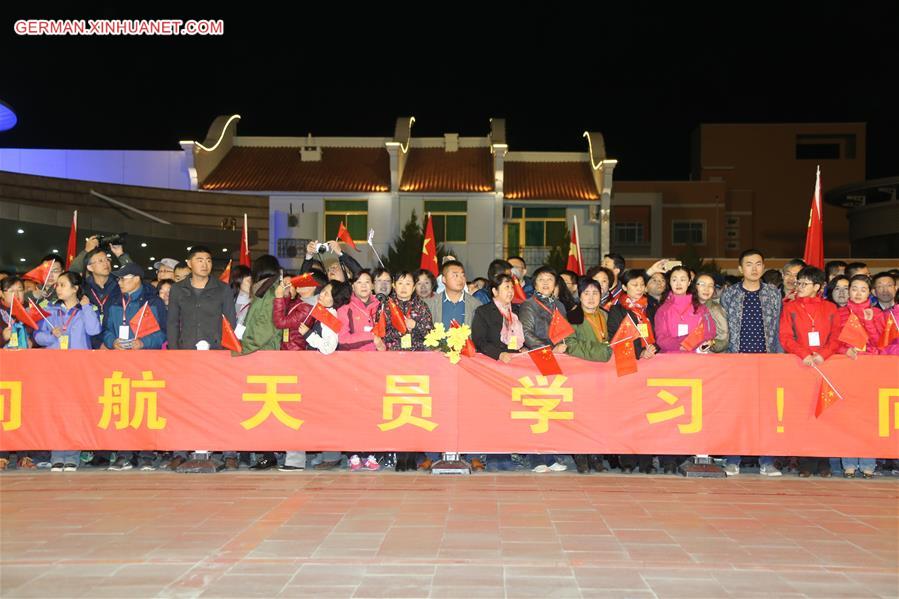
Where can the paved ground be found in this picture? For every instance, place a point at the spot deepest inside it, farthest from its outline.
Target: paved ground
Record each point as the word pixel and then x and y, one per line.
pixel 134 534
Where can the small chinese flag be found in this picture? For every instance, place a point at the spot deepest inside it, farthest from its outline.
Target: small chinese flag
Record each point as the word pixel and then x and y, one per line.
pixel 890 332
pixel 245 245
pixel 321 314
pixel 229 339
pixel 144 323
pixel 429 249
pixel 380 328
pixel 35 311
pixel 519 296
pixel 225 277
pixel 18 312
pixel 396 317
pixel 39 274
pixel 545 361
pixel 344 235
pixel 623 347
pixel 467 349
pixel 72 248
pixel 827 396
pixel 694 338
pixel 559 328
pixel 853 333
pixel 304 280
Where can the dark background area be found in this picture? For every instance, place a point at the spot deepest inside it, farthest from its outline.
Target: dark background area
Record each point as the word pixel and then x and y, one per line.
pixel 643 74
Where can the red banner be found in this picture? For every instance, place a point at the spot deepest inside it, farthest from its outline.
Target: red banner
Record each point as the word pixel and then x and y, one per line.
pixel 369 401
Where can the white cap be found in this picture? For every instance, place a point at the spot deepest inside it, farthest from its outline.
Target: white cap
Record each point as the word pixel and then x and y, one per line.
pixel 170 262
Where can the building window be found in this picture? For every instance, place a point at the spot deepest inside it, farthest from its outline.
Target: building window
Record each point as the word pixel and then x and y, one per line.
pixel 354 213
pixel 825 146
pixel 450 220
pixel 628 234
pixel 684 232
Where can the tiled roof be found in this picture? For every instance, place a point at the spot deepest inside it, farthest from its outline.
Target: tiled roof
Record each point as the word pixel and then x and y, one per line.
pixel 548 181
pixel 281 169
pixel 439 171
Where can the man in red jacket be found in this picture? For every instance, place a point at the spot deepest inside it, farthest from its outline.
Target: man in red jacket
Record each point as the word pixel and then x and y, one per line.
pixel 809 328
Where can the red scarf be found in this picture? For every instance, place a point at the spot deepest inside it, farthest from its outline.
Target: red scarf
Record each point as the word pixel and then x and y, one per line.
pixel 639 308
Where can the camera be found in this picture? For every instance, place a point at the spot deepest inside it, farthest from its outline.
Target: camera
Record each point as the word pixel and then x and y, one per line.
pixel 322 248
pixel 114 239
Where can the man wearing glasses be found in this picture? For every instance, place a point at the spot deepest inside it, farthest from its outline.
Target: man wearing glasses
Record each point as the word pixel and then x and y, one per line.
pixel 790 271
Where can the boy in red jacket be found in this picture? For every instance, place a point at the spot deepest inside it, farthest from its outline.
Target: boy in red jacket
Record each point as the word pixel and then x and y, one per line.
pixel 809 328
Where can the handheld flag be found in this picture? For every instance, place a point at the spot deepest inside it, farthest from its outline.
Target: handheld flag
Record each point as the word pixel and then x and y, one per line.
pixel 519 296
pixel 245 245
pixel 39 274
pixel 225 277
pixel 814 234
pixel 694 338
pixel 144 323
pixel 397 319
pixel 827 394
pixel 18 312
pixel 321 314
pixel 623 347
pixel 72 248
pixel 303 280
pixel 890 330
pixel 545 360
pixel 229 339
pixel 380 328
pixel 35 311
pixel 559 328
pixel 429 249
pixel 344 235
pixel 853 333
pixel 468 349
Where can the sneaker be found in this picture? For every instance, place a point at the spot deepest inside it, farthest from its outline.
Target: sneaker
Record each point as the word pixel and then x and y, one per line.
pixel 354 463
pixel 44 466
pixel 287 468
pixel 147 465
pixel 557 467
pixel 57 467
pixel 120 464
pixel 731 469
pixel 231 464
pixel 371 463
pixel 71 467
pixel 770 471
pixel 174 463
pixel 541 469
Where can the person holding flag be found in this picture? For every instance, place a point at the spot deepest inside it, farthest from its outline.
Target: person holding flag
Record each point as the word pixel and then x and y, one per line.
pixel 42 280
pixel 13 333
pixel 682 323
pixel 859 328
pixel 408 318
pixel 538 313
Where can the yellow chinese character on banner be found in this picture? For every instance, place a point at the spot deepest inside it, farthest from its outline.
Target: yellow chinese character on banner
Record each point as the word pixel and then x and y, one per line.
pixel 12 418
pixel 407 392
pixel 695 386
pixel 544 396
pixel 883 411
pixel 272 401
pixel 116 401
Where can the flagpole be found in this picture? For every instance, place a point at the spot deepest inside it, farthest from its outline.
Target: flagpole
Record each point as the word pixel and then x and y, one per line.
pixel 246 236
pixel 826 380
pixel 577 236
pixel 143 311
pixel 39 311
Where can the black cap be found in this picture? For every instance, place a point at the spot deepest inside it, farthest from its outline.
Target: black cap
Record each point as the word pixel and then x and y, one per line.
pixel 129 269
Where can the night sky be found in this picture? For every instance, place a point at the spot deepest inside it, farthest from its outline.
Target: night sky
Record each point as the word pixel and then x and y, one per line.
pixel 643 75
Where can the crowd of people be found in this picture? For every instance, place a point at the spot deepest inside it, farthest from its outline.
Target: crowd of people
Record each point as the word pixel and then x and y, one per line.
pixel 798 309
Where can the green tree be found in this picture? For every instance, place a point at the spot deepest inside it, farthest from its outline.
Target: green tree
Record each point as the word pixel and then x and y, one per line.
pixel 691 258
pixel 405 251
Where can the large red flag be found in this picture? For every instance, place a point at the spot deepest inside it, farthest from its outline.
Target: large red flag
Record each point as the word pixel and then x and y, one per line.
pixel 229 339
pixel 545 361
pixel 225 277
pixel 467 349
pixel 396 317
pixel 694 338
pixel 814 235
pixel 18 312
pixel 344 235
pixel 72 248
pixel 144 323
pixel 853 333
pixel 429 249
pixel 519 296
pixel 39 274
pixel 623 347
pixel 321 314
pixel 575 260
pixel 245 245
pixel 559 328
pixel 890 330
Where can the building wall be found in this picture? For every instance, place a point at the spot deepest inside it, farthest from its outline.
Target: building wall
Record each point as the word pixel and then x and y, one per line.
pixel 124 167
pixel 765 179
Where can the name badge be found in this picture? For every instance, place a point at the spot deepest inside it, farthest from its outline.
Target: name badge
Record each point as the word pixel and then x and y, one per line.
pixel 814 339
pixel 285 334
pixel 682 330
pixel 406 341
pixel 63 342
pixel 239 330
pixel 13 340
pixel 367 329
pixel 124 332
pixel 513 343
pixel 643 329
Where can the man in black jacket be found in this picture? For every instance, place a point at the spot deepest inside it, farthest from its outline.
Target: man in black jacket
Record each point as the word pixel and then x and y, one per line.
pixel 197 303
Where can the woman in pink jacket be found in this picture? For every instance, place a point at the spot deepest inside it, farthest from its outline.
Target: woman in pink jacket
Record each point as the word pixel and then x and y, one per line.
pixel 358 318
pixel 680 313
pixel 860 305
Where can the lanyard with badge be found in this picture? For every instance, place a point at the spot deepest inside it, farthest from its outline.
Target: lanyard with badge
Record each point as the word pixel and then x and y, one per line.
pixel 124 329
pixel 63 338
pixel 13 334
pixel 406 340
pixel 512 344
pixel 814 337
